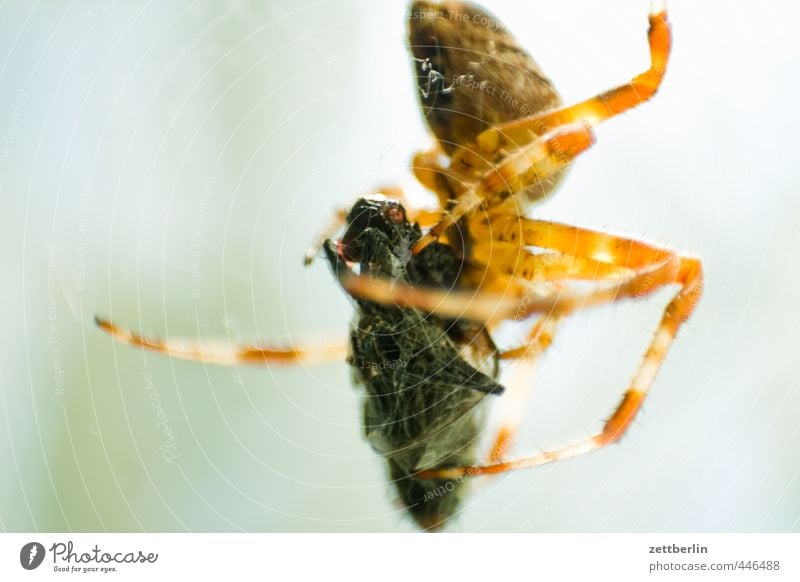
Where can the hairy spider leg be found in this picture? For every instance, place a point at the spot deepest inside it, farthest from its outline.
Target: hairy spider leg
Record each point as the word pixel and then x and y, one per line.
pixel 514 259
pixel 431 173
pixel 651 267
pixel 592 111
pixel 687 273
pixel 539 339
pixel 229 353
pixel 531 164
pixel 548 266
pixel 514 401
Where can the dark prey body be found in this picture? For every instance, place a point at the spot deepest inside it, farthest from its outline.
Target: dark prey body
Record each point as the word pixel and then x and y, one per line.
pixel 425 377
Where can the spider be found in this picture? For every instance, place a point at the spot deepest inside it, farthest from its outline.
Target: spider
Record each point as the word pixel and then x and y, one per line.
pixel 431 285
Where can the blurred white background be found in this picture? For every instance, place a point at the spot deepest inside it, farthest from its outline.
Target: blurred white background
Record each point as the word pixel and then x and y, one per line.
pixel 165 166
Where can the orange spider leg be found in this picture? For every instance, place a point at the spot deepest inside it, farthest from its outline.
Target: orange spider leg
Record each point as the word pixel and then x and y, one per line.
pixel 687 274
pixel 651 268
pixel 539 339
pixel 541 335
pixel 548 266
pixel 552 267
pixel 429 172
pixel 514 400
pixel 533 163
pixel 590 245
pixel 519 302
pixel 424 217
pixel 486 306
pixel 228 354
pixel 490 282
pixel 591 111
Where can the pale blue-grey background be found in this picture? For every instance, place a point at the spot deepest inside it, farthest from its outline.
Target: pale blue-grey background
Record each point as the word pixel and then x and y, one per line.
pixel 165 164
